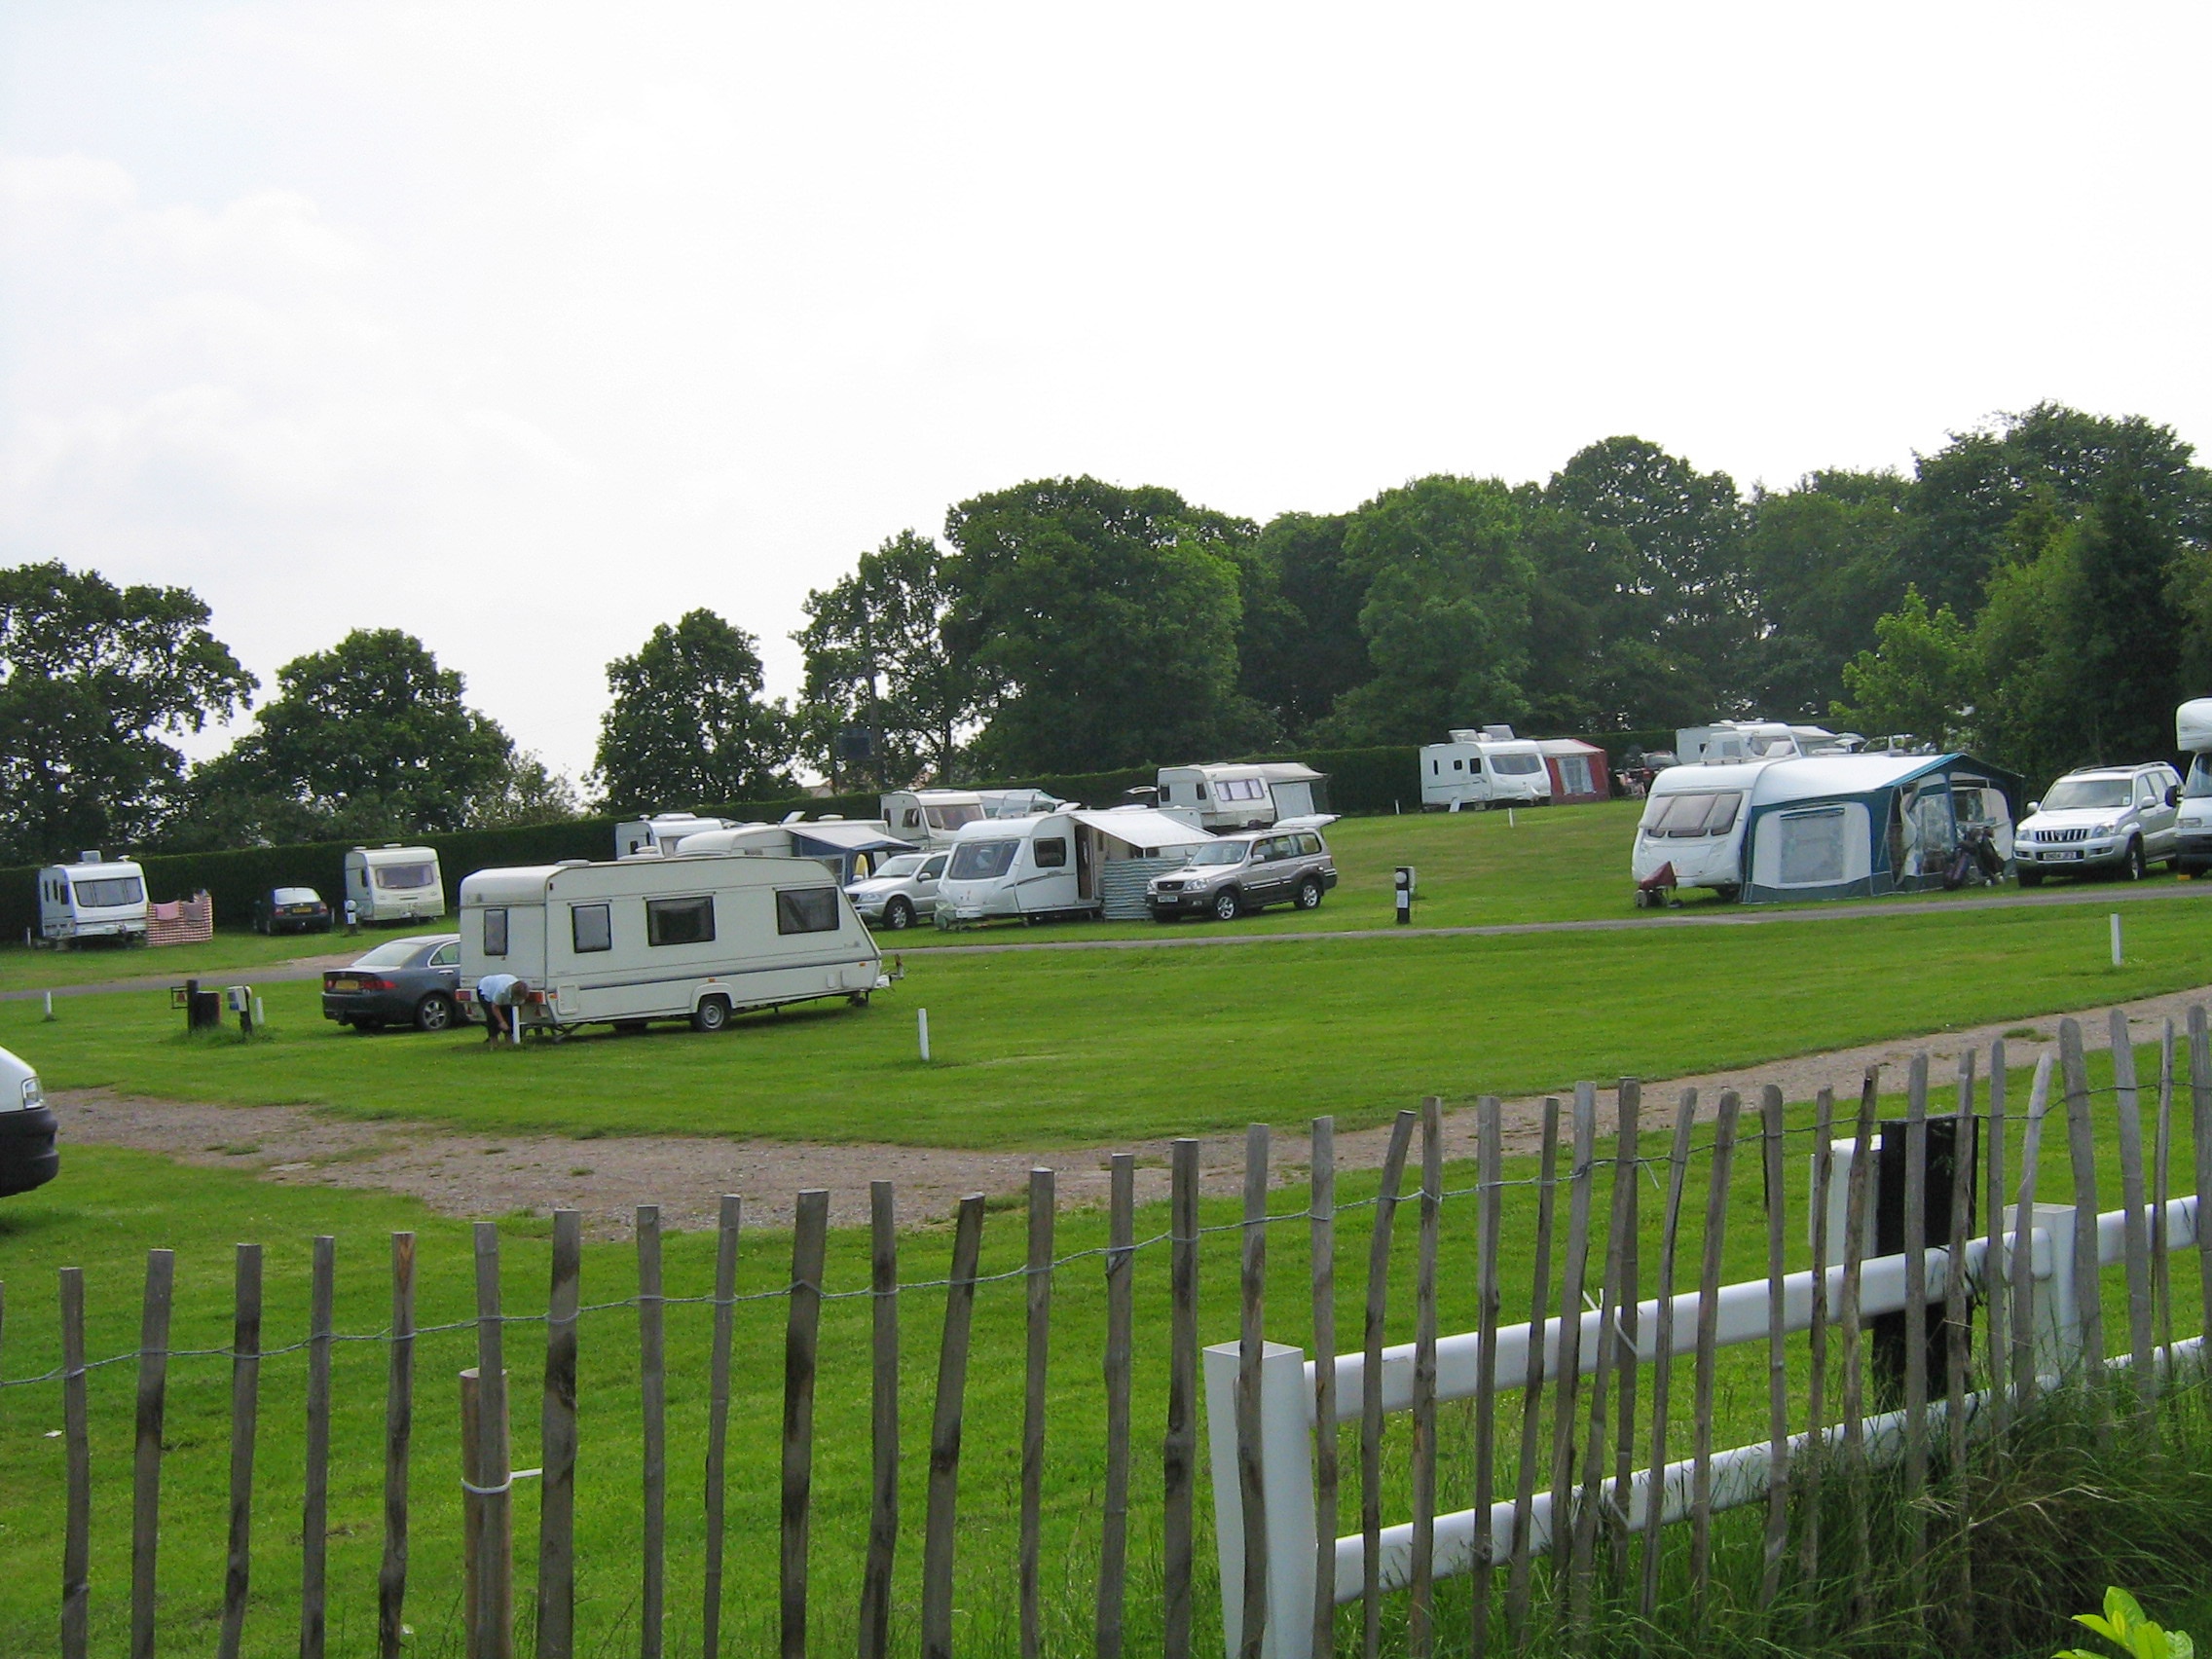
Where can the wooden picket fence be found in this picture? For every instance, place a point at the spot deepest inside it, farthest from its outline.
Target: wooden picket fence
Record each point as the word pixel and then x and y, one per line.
pixel 1559 1496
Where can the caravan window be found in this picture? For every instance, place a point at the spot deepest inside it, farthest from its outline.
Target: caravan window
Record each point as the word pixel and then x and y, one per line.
pixel 494 933
pixel 591 926
pixel 982 861
pixel 1052 854
pixel 953 817
pixel 1699 814
pixel 110 891
pixel 1515 765
pixel 807 909
pixel 680 921
pixel 1811 847
pixel 398 879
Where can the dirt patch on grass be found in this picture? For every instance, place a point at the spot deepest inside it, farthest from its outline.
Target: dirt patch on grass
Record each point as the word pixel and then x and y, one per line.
pixel 606 1178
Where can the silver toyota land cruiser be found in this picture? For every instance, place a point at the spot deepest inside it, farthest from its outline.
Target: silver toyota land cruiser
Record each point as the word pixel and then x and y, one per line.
pixel 1245 871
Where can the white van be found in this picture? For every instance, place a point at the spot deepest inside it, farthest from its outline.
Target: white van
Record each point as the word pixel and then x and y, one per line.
pixel 690 936
pixel 94 897
pixel 1489 767
pixel 392 883
pixel 1252 796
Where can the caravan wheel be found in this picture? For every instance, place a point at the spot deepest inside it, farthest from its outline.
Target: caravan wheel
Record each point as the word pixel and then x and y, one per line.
pixel 710 1014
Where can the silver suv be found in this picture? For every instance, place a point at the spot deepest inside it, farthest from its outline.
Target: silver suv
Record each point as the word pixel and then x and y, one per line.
pixel 2101 817
pixel 902 892
pixel 1245 871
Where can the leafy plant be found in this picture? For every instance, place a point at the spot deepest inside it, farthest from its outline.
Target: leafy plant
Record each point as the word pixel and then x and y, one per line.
pixel 2124 1625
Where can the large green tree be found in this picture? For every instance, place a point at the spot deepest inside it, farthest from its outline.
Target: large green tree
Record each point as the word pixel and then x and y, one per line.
pixel 92 679
pixel 1299 644
pixel 1107 620
pixel 1825 561
pixel 371 738
pixel 689 726
pixel 877 660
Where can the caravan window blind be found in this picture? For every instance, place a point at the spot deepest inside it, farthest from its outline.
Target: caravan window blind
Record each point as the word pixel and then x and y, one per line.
pixel 591 926
pixel 807 909
pixel 680 921
pixel 495 933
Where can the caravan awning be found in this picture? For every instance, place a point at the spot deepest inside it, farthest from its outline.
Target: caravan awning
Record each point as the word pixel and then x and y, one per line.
pixel 1149 832
pixel 847 837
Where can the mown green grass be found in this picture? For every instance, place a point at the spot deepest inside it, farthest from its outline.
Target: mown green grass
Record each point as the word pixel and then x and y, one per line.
pixel 1079 1047
pixel 113 1205
pixel 26 970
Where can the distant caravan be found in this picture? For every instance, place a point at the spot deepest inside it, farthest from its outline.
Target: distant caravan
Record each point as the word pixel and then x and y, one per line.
pixel 94 897
pixel 392 883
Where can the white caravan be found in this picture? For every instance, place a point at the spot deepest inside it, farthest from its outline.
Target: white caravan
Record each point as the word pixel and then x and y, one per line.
pixel 1759 740
pixel 660 833
pixel 94 897
pixel 2193 735
pixel 1222 797
pixel 690 936
pixel 1069 862
pixel 929 817
pixel 1489 767
pixel 392 883
pixel 849 848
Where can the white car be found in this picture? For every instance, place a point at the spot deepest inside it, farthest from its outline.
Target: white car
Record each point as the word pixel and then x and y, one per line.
pixel 2123 817
pixel 27 1154
pixel 902 892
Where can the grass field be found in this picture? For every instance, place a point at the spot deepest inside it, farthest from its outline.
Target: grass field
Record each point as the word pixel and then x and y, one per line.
pixel 26 970
pixel 116 1203
pixel 1079 1047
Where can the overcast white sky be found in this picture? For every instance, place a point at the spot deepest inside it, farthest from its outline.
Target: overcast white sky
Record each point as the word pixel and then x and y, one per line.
pixel 528 327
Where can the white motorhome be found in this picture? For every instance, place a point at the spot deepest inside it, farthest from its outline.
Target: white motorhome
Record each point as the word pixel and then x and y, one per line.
pixel 697 936
pixel 1489 767
pixel 2193 736
pixel 94 897
pixel 849 848
pixel 1759 740
pixel 929 818
pixel 660 833
pixel 392 883
pixel 1068 863
pixel 1253 796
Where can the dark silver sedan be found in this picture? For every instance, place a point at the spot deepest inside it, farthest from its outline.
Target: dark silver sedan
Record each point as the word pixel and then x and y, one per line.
pixel 403 982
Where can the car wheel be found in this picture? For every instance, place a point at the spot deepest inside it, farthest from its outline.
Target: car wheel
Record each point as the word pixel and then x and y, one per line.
pixel 1225 905
pixel 711 1015
pixel 898 916
pixel 434 1013
pixel 1309 894
pixel 2030 877
pixel 2135 868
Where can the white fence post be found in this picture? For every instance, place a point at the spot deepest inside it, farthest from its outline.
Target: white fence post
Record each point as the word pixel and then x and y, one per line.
pixel 1286 1474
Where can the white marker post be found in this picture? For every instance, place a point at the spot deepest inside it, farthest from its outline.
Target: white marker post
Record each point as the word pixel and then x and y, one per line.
pixel 50 1005
pixel 2116 957
pixel 260 1018
pixel 1510 820
pixel 922 1022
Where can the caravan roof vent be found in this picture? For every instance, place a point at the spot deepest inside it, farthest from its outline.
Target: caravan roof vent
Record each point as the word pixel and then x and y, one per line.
pixel 570 863
pixel 1498 734
pixel 90 855
pixel 391 846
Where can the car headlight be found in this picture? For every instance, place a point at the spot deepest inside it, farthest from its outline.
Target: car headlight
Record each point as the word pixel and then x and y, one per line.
pixel 2104 830
pixel 33 1094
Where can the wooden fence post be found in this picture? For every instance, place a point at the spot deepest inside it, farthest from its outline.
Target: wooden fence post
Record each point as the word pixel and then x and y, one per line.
pixel 245 1423
pixel 1491 1207
pixel 1626 1315
pixel 557 1447
pixel 2200 1140
pixel 652 1400
pixel 1179 1449
pixel 1958 1334
pixel 1121 1314
pixel 1522 1565
pixel 1573 1276
pixel 1371 1386
pixel 944 1432
pixel 801 1336
pixel 1708 1336
pixel 77 1505
pixel 1998 1264
pixel 1777 1478
pixel 2082 1151
pixel 883 1420
pixel 488 1442
pixel 2023 1246
pixel 1855 1469
pixel 2133 1198
pixel 1663 1352
pixel 1817 1363
pixel 1321 1234
pixel 1915 1246
pixel 1615 1286
pixel 1039 1332
pixel 398 1451
pixel 2161 1191
pixel 1420 1607
pixel 146 1457
pixel 314 1507
pixel 1251 1347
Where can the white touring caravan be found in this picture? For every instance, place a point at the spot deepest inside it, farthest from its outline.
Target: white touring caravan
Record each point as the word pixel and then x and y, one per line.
pixel 1252 796
pixel 1489 767
pixel 695 937
pixel 94 897
pixel 1759 740
pixel 1066 864
pixel 660 833
pixel 849 848
pixel 392 883
pixel 929 819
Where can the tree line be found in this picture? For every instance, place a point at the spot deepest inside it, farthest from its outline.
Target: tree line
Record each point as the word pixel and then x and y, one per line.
pixel 2039 588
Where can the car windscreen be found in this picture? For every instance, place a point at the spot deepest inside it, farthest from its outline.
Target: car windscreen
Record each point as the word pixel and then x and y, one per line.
pixel 295 896
pixel 1221 853
pixel 906 863
pixel 2198 783
pixel 1515 765
pixel 400 877
pixel 394 953
pixel 982 861
pixel 109 891
pixel 2078 792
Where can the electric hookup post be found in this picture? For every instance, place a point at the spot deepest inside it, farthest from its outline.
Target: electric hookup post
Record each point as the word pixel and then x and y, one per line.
pixel 240 999
pixel 1405 894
